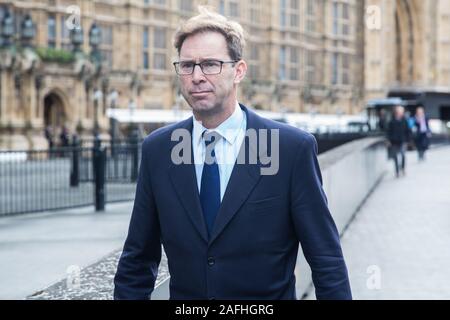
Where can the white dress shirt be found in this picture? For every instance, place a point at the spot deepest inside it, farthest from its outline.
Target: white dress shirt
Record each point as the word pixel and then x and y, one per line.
pixel 226 149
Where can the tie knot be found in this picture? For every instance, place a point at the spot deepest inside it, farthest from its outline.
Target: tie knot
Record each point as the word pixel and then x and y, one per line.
pixel 210 137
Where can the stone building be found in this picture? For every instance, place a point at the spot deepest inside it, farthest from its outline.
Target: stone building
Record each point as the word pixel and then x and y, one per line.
pixel 407 46
pixel 304 56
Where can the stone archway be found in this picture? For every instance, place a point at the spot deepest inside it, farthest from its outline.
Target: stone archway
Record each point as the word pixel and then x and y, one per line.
pixel 408 42
pixel 54 111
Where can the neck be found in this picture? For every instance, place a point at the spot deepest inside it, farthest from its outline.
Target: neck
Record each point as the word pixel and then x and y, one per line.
pixel 213 120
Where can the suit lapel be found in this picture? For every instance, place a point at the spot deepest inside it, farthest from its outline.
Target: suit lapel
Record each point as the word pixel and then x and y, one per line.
pixel 244 178
pixel 184 181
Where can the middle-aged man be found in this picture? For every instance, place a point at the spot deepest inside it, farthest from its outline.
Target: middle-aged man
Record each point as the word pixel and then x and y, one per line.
pixel 229 231
pixel 398 134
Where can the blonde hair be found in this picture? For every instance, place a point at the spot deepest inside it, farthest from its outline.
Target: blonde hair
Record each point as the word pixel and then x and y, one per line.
pixel 208 20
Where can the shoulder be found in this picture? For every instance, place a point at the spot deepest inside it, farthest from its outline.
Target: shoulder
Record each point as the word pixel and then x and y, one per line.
pixel 162 136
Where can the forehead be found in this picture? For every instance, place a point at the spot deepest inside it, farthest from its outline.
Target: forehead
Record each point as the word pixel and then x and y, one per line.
pixel 203 45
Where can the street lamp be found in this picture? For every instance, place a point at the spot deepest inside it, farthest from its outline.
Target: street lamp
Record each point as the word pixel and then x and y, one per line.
pixel 28 30
pixel 77 38
pixel 7 29
pixel 95 38
pixel 98 94
pixel 112 98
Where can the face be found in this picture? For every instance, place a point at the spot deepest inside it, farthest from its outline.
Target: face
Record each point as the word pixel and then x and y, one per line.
pixel 419 112
pixel 209 94
pixel 399 112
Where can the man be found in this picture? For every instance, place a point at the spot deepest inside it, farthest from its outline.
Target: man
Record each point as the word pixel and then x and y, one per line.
pixel 229 231
pixel 398 134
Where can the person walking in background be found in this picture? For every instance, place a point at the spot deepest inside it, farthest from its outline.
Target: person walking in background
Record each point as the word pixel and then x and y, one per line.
pixel 398 134
pixel 49 136
pixel 64 137
pixel 422 132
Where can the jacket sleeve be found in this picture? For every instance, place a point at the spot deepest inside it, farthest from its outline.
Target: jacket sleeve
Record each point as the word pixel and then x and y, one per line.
pixel 138 265
pixel 408 132
pixel 315 227
pixel 389 132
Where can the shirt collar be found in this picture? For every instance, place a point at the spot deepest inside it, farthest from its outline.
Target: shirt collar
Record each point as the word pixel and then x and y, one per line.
pixel 229 129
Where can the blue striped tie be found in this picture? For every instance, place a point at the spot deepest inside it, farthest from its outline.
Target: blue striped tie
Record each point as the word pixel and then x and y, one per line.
pixel 210 185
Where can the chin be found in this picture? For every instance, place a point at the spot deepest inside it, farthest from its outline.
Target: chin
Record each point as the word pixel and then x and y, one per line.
pixel 202 107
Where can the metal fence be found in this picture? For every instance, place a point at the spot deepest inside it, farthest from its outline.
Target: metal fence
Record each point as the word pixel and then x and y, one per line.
pixel 60 178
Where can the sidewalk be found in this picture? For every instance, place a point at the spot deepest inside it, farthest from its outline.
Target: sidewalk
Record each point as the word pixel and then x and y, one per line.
pixel 37 248
pixel 403 232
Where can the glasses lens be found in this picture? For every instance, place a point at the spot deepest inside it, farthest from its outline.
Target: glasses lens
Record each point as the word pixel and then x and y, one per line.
pixel 211 67
pixel 185 67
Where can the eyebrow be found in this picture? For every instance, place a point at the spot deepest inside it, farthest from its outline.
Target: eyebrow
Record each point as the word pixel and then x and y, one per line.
pixel 204 59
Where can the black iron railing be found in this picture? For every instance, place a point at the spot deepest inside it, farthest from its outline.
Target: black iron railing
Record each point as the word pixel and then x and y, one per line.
pixel 60 178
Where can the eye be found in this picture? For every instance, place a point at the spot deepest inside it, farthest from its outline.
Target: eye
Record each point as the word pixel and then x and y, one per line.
pixel 210 63
pixel 186 65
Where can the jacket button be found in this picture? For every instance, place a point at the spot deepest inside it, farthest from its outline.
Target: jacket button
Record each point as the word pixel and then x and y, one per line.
pixel 211 261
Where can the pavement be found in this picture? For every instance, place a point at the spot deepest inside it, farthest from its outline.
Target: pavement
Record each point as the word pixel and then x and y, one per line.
pixel 38 249
pixel 398 245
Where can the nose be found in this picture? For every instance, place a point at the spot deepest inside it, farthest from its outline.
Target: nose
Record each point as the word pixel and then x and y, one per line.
pixel 197 75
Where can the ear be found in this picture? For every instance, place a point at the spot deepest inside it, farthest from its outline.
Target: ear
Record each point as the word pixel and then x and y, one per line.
pixel 241 70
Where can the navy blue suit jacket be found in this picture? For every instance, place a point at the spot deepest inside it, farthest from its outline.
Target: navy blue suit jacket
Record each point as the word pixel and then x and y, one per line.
pixel 252 250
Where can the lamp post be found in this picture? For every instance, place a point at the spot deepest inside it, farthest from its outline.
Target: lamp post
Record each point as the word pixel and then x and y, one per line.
pixel 95 38
pixel 28 31
pixel 112 97
pixel 7 29
pixel 77 39
pixel 94 43
pixel 98 95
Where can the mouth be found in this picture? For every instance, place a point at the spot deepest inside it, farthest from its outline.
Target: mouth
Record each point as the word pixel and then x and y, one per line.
pixel 200 93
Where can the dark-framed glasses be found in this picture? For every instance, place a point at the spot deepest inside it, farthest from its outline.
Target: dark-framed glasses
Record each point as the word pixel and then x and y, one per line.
pixel 208 67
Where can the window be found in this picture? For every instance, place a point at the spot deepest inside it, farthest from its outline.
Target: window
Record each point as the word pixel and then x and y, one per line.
pixel 334 66
pixel 345 69
pixel 159 48
pixel 293 65
pixel 341 18
pixel 289 13
pixel 145 45
pixel 254 62
pixel 289 63
pixel 159 37
pixel 159 61
pixel 65 35
pixel 185 5
pixel 311 66
pixel 341 65
pixel 255 11
pixel 283 13
pixel 222 7
pixel 311 16
pixel 106 44
pixel 282 64
pixel 160 2
pixel 335 18
pixel 234 8
pixel 51 31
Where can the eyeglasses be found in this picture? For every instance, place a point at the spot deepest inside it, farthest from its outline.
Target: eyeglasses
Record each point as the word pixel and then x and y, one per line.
pixel 208 67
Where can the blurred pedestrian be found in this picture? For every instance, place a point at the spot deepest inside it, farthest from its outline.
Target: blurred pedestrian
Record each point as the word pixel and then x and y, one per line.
pixel 64 136
pixel 382 122
pixel 49 136
pixel 398 135
pixel 422 132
